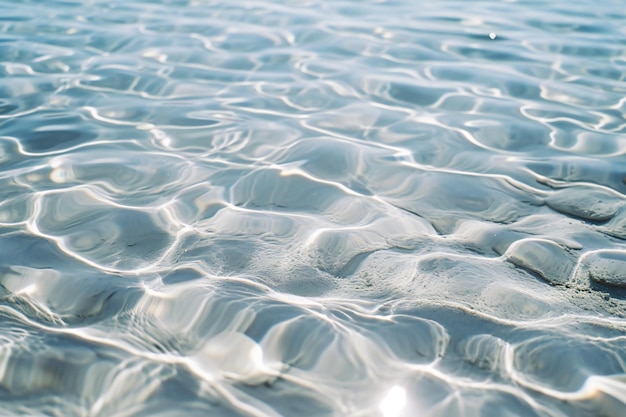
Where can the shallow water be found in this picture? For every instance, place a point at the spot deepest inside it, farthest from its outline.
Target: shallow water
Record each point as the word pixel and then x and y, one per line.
pixel 312 208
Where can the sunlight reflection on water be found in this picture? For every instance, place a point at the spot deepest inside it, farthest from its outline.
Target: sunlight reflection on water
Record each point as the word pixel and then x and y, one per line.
pixel 312 208
pixel 393 404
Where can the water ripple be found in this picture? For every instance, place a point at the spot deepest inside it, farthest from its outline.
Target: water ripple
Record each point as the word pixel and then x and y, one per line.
pixel 301 208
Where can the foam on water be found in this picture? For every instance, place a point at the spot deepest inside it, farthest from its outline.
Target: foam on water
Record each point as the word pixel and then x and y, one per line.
pixel 312 208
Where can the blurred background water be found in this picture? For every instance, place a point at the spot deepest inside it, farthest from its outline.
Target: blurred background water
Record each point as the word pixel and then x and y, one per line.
pixel 312 208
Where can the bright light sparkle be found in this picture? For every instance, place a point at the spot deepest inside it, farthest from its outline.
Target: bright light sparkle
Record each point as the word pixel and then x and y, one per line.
pixel 394 402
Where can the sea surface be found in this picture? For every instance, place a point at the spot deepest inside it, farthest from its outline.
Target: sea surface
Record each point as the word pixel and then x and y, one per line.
pixel 313 208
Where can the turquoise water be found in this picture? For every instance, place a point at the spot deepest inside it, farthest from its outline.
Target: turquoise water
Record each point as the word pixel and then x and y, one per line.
pixel 312 208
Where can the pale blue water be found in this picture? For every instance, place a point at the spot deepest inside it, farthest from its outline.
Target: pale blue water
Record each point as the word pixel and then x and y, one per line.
pixel 313 208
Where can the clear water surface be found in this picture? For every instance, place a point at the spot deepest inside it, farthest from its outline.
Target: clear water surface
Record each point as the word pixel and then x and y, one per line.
pixel 312 208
